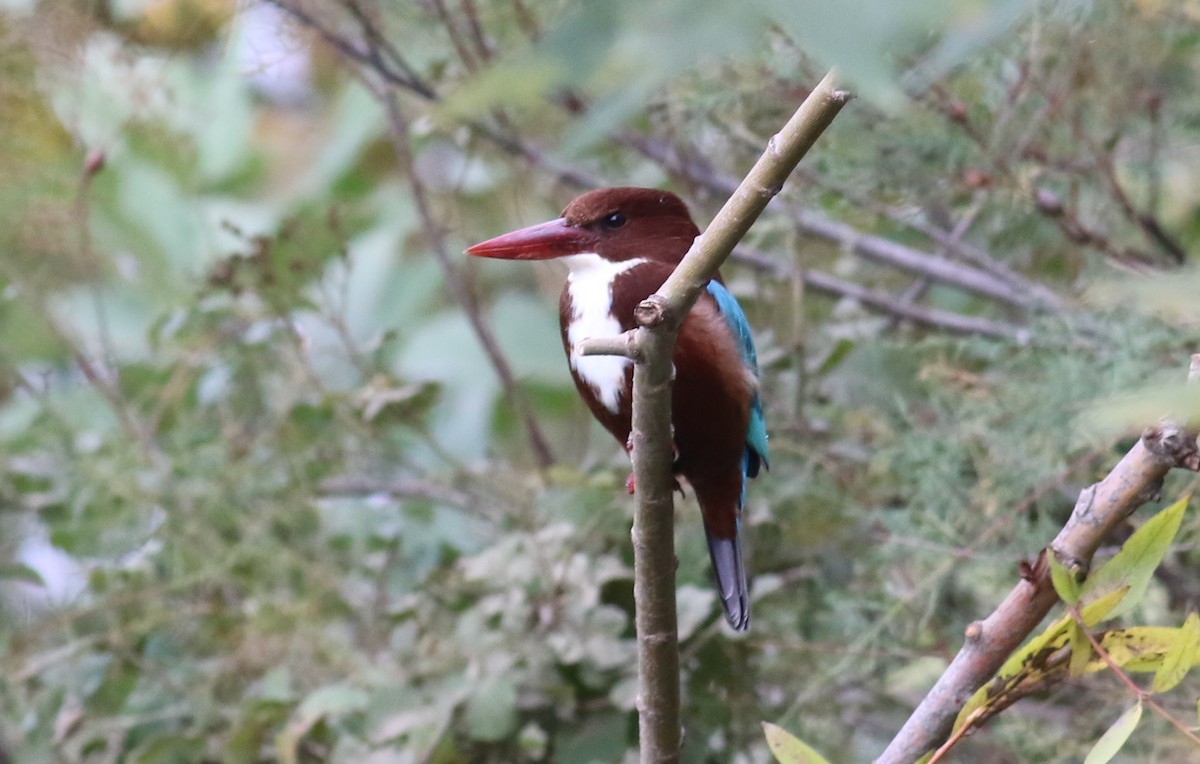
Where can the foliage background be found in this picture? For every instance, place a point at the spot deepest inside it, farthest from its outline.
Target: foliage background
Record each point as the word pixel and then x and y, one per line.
pixel 265 493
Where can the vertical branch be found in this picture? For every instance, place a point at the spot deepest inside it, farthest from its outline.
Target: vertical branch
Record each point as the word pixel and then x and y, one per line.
pixel 659 719
pixel 651 346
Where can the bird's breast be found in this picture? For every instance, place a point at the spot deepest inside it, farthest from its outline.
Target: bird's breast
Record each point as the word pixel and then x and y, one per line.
pixel 588 312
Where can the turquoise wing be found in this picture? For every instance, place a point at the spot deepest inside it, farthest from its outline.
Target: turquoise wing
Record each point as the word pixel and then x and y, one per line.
pixel 756 434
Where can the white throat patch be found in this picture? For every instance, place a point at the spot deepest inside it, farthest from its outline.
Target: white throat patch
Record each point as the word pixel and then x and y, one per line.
pixel 589 287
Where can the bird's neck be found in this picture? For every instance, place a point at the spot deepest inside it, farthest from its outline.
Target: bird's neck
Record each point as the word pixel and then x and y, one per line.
pixel 591 288
pixel 588 313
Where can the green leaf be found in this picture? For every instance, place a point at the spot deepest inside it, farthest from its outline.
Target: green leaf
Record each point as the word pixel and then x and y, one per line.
pixel 246 738
pixel 168 749
pixel 1135 563
pixel 1102 609
pixel 789 749
pixel 1065 583
pixel 1178 403
pixel 1081 650
pixel 120 678
pixel 836 355
pixel 1114 738
pixel 333 700
pixel 16 571
pixel 492 711
pixel 1180 656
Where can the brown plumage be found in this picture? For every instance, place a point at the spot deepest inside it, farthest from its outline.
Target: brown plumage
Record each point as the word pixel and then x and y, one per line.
pixel 621 244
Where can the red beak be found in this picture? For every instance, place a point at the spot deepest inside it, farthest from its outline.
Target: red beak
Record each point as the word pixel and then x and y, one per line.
pixel 537 242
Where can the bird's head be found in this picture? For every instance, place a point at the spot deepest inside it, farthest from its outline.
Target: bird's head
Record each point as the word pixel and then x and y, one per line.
pixel 615 223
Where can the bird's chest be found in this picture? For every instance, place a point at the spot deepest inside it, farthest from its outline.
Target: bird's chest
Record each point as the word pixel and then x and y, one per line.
pixel 590 306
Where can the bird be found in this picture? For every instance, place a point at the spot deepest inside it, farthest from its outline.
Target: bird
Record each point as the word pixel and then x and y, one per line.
pixel 619 246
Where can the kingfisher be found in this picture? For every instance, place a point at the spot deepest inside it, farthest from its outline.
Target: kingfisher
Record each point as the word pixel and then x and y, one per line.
pixel 619 246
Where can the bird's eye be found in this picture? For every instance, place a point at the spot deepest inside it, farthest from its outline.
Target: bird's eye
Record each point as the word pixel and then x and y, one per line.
pixel 613 221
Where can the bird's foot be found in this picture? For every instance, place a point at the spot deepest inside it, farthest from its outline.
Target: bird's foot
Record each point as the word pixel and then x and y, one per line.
pixel 631 485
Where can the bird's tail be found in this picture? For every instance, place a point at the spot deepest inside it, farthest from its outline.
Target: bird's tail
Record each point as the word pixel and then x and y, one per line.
pixel 726 554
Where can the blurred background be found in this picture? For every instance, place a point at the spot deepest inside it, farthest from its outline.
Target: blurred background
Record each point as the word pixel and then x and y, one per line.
pixel 285 477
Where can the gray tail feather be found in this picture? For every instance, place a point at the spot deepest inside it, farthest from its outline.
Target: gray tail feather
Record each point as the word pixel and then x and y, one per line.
pixel 730 573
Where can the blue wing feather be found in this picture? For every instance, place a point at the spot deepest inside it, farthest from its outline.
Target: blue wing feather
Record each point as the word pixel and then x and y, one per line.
pixel 756 434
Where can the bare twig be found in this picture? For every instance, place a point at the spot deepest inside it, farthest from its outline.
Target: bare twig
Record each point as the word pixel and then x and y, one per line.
pixel 462 295
pixel 1146 221
pixel 465 55
pixel 395 72
pixel 380 57
pixel 1136 479
pixel 955 323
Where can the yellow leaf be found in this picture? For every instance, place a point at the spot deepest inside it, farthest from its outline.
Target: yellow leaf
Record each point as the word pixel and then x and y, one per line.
pixel 1180 656
pixel 1138 648
pixel 788 749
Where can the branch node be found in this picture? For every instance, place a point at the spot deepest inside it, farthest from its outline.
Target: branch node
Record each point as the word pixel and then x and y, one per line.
pixel 1075 565
pixel 1083 505
pixel 660 638
pixel 1172 446
pixel 1027 570
pixel 974 631
pixel 652 311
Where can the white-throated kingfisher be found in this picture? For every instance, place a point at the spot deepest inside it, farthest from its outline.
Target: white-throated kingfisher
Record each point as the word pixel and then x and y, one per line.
pixel 620 245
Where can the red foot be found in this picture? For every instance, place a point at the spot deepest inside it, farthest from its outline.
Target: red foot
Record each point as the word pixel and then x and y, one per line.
pixel 631 486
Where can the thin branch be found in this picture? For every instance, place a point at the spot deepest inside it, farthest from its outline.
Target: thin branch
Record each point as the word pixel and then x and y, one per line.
pixel 1146 221
pixel 471 13
pixel 1136 479
pixel 375 57
pixel 955 323
pixel 659 318
pixel 1142 695
pixel 947 239
pixel 401 76
pixel 867 246
pixel 622 345
pixel 463 296
pixel 456 39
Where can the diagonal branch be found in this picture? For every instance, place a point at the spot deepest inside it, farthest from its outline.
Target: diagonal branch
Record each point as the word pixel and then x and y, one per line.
pixel 880 302
pixel 865 245
pixel 399 132
pixel 1136 479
